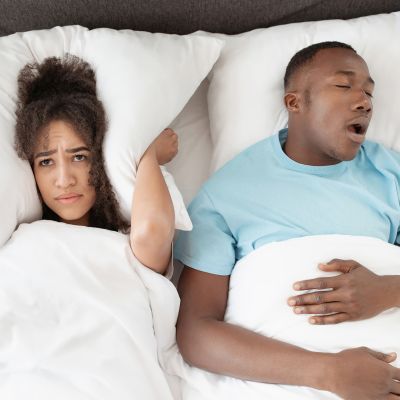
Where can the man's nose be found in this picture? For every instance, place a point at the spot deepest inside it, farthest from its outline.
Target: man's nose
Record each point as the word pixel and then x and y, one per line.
pixel 363 102
pixel 65 177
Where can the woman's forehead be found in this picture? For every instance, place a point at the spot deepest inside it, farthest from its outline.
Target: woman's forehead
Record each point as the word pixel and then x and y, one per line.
pixel 58 133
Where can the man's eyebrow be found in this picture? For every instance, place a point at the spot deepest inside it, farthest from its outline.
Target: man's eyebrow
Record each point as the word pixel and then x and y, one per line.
pixel 352 73
pixel 50 152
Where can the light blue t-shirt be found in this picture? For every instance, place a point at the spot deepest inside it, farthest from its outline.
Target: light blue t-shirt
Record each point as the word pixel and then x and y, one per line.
pixel 262 196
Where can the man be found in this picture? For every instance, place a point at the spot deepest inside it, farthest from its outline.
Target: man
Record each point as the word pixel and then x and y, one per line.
pixel 277 190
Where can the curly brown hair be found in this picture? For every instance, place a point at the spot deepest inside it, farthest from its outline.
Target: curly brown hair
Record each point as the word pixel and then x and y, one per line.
pixel 65 89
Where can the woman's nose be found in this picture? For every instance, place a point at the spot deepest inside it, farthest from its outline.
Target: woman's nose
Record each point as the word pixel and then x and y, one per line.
pixel 65 177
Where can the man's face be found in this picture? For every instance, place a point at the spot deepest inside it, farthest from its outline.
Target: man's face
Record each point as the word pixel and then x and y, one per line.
pixel 336 109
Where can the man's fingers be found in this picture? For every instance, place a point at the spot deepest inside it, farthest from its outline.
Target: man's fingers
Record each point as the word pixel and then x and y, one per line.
pixel 325 308
pixel 326 296
pixel 395 389
pixel 396 372
pixel 336 264
pixel 387 357
pixel 329 319
pixel 332 282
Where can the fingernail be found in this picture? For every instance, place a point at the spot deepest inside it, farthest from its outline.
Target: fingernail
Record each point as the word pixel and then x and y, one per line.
pixel 298 310
pixel 312 321
pixel 292 302
pixel 296 286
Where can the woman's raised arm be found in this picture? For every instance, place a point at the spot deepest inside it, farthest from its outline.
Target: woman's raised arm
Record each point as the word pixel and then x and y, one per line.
pixel 153 218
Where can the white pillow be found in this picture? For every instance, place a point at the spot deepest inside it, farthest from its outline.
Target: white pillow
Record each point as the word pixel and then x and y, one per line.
pixel 19 198
pixel 144 81
pixel 246 89
pixel 191 166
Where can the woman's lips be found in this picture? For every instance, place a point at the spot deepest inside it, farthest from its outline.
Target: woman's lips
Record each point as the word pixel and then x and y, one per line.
pixel 69 199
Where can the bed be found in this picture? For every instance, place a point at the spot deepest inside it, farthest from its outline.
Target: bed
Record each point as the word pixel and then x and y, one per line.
pixel 88 348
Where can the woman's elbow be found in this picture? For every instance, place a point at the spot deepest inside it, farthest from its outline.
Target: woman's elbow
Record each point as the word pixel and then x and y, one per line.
pixel 151 245
pixel 153 231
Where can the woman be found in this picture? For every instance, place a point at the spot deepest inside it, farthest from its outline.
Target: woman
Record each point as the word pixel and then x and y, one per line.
pixel 60 129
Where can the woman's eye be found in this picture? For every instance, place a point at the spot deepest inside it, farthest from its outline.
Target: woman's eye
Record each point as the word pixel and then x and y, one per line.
pixel 343 86
pixel 80 157
pixel 46 162
pixel 369 94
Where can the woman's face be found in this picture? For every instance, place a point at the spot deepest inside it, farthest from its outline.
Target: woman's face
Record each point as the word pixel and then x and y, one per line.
pixel 61 166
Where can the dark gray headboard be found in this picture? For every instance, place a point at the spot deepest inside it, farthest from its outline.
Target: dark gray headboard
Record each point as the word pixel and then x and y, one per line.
pixel 180 16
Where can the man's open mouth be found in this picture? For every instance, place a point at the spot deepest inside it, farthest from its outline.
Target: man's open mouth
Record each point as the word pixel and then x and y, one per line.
pixel 360 129
pixel 357 129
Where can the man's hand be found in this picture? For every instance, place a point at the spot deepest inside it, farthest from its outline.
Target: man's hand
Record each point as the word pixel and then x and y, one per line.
pixel 364 374
pixel 355 294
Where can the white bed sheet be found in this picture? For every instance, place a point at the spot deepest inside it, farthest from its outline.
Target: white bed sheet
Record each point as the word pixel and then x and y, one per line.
pixel 259 288
pixel 81 318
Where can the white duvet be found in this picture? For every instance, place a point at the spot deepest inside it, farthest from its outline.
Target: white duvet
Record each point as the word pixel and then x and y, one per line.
pixel 80 318
pixel 259 288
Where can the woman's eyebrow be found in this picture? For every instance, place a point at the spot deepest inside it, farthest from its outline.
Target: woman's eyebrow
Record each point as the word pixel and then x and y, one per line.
pixel 45 153
pixel 76 149
pixel 50 152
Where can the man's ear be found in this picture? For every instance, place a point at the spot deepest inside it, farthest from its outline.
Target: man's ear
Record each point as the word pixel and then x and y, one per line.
pixel 292 102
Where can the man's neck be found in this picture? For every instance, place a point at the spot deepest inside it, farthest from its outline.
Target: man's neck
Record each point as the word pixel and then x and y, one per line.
pixel 300 150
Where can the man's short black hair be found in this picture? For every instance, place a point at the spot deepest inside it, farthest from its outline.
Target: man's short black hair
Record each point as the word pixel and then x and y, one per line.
pixel 304 56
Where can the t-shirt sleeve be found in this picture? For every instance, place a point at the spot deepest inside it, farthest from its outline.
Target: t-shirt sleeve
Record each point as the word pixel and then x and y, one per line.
pixel 210 246
pixel 396 157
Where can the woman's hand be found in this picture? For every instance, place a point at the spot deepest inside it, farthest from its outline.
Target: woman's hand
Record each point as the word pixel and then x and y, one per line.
pixel 165 146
